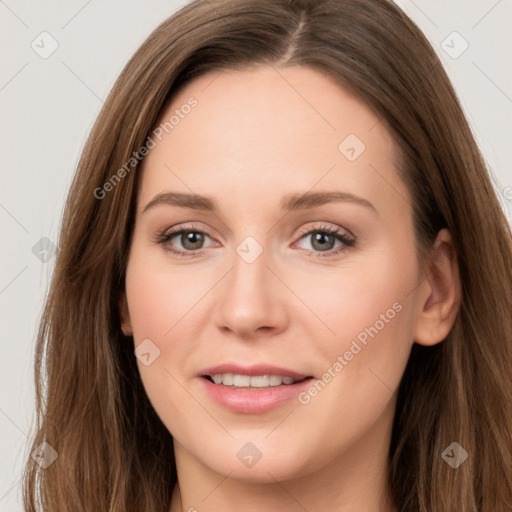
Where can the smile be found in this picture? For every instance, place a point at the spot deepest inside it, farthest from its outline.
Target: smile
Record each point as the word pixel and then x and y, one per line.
pixel 251 381
pixel 252 389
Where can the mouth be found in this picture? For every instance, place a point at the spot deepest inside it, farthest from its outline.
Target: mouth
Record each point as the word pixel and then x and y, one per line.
pixel 237 380
pixel 255 389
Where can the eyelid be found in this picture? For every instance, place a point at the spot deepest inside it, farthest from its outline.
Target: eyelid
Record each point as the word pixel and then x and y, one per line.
pixel 163 238
pixel 324 227
pixel 346 238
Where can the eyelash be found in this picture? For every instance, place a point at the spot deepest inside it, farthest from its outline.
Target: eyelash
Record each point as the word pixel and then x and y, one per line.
pixel 168 235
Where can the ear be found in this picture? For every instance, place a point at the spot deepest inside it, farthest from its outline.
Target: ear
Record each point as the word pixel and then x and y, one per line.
pixel 440 293
pixel 126 325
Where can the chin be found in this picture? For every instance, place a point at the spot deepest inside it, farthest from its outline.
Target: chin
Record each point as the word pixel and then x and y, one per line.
pixel 258 460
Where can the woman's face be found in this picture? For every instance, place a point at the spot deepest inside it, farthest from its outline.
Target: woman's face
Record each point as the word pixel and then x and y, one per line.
pixel 299 262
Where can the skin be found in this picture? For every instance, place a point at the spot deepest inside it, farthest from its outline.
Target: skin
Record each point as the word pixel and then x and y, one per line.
pixel 255 136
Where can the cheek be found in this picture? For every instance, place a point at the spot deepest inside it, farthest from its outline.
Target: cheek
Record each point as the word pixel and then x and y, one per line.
pixel 158 304
pixel 360 379
pixel 152 303
pixel 372 315
pixel 164 302
pixel 362 302
pixel 162 296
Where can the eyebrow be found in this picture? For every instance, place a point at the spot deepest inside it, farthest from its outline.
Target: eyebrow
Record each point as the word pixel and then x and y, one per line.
pixel 290 202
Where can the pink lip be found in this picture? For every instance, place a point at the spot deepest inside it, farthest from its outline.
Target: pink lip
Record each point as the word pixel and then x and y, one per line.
pixel 254 400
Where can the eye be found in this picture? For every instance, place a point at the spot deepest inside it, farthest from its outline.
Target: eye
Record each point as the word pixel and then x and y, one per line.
pixel 323 239
pixel 190 238
pixel 191 241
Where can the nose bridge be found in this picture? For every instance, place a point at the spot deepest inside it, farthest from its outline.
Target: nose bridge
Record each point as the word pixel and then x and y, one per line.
pixel 250 264
pixel 250 298
pixel 249 277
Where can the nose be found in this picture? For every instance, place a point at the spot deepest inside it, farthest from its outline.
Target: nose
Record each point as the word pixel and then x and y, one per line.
pixel 251 299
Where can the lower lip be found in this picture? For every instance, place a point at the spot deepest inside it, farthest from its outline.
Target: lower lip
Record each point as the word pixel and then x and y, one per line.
pixel 254 400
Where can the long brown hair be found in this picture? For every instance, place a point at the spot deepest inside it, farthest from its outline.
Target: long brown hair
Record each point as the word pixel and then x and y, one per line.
pixel 114 453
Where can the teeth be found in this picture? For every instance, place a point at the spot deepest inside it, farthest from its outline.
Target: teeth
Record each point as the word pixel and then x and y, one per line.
pixel 258 381
pixel 253 381
pixel 275 380
pixel 227 378
pixel 241 381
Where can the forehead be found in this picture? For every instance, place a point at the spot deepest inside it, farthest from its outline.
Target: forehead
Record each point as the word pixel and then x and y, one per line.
pixel 267 129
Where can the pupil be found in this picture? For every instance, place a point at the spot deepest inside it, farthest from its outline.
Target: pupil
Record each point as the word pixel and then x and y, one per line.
pixel 320 237
pixel 192 237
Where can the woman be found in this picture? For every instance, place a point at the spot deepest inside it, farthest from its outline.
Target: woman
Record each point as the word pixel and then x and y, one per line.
pixel 284 279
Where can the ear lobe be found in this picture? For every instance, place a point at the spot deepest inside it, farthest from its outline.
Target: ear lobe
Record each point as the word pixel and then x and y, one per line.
pixel 126 325
pixel 442 293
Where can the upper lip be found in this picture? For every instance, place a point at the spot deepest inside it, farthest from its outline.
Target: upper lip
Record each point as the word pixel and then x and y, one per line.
pixel 253 370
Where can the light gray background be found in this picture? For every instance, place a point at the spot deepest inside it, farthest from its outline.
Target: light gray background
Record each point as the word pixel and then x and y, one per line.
pixel 48 107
